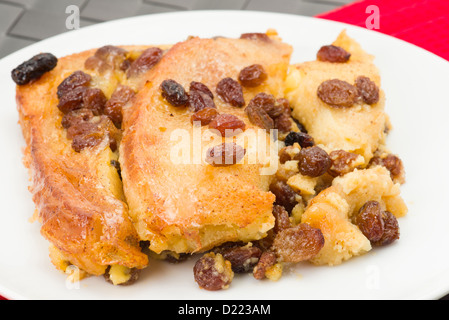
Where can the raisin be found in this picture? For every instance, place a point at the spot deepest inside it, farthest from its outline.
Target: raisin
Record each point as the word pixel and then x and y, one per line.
pixel 91 139
pixel 266 102
pixel 34 68
pixel 212 272
pixel 391 229
pixel 94 63
pixel 281 106
pixel 253 75
pixel 303 139
pixel 333 53
pixel 393 164
pixel 225 154
pixel 341 162
pixel 256 36
pixel 313 161
pixel 91 133
pixel 259 117
pixel 72 100
pixel 282 220
pixel 113 109
pixel 73 118
pixel 204 116
pixel 243 259
pixel 337 93
pixel 283 123
pixel 117 167
pixel 299 243
pixel 367 89
pixel 266 260
pixel 174 93
pixel 95 100
pixel 75 80
pixel 231 92
pixel 112 55
pixel 227 124
pixel 199 100
pixel 147 60
pixel 285 195
pixel 198 86
pixel 369 220
pixel 300 126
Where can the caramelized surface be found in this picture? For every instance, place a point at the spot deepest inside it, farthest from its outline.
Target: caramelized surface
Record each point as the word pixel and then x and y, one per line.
pixel 195 206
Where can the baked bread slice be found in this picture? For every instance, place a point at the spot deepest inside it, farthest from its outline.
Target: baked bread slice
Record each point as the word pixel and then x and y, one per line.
pixel 78 193
pixel 193 206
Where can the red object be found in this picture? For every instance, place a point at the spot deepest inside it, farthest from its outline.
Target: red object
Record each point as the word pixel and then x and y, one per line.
pixel 424 23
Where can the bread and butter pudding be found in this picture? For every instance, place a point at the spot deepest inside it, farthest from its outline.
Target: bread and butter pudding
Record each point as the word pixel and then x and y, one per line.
pixel 115 185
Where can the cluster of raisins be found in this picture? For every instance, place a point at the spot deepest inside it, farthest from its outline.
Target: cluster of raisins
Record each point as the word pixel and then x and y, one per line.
pixel 341 94
pixel 109 58
pixel 379 226
pixel 89 116
pixel 267 112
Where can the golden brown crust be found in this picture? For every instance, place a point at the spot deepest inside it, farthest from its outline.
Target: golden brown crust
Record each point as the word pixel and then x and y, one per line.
pixel 78 195
pixel 192 207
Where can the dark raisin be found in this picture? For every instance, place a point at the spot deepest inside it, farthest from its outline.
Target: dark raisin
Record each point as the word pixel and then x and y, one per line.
pixel 253 75
pixel 391 229
pixel 303 139
pixel 199 100
pixel 243 259
pixel 256 36
pixel 313 161
pixel 75 117
pixel 72 100
pixel 285 195
pixel 204 116
pixel 76 79
pixel 300 126
pixel 283 123
pixel 338 93
pixel 393 164
pixel 212 272
pixel 174 93
pixel 95 100
pixel 266 260
pixel 88 140
pixel 113 109
pixel 266 102
pixel 116 165
pixel 333 53
pixel 299 243
pixel 367 89
pixel 95 63
pixel 34 68
pixel 259 117
pixel 282 220
pixel 341 162
pixel 227 124
pixel 147 60
pixel 231 92
pixel 225 154
pixel 198 86
pixel 369 220
pixel 91 133
pixel 173 258
pixel 111 54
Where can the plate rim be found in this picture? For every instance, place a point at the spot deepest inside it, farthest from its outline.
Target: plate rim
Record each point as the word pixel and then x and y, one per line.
pixel 10 293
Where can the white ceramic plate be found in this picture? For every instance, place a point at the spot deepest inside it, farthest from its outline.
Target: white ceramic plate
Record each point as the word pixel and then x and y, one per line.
pixel 416 85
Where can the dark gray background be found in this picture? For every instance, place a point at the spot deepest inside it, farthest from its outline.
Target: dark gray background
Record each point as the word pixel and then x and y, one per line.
pixel 23 22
